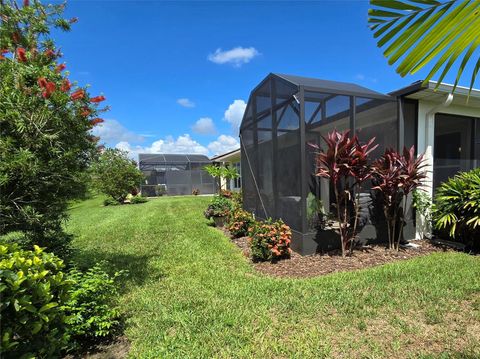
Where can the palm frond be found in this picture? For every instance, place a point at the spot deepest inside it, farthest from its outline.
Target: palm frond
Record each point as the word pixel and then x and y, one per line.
pixel 416 33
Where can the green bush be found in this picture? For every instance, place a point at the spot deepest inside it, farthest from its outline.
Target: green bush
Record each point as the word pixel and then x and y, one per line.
pixel 110 202
pixel 270 240
pixel 237 199
pixel 115 174
pixel 219 207
pixel 33 290
pixel 239 223
pixel 160 190
pixel 457 207
pixel 138 199
pixel 91 308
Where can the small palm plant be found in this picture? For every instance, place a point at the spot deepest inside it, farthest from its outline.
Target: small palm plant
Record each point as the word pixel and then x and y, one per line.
pixel 457 207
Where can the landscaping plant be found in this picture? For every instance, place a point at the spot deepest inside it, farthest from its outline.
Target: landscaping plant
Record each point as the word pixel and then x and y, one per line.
pixel 91 307
pixel 219 207
pixel 33 289
pixel 396 176
pixel 239 222
pixel 457 207
pixel 116 175
pixel 345 162
pixel 138 199
pixel 218 172
pixel 45 124
pixel 160 190
pixel 269 240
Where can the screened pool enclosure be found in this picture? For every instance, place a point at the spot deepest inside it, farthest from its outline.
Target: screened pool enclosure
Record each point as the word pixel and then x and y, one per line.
pixel 175 174
pixel 283 116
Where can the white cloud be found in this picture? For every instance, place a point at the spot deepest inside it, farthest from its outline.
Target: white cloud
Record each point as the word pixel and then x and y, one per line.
pixel 223 144
pixel 236 56
pixel 185 102
pixel 182 144
pixel 234 114
pixel 204 126
pixel 112 131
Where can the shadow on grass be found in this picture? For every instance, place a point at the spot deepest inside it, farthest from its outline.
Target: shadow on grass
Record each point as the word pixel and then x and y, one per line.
pixel 138 267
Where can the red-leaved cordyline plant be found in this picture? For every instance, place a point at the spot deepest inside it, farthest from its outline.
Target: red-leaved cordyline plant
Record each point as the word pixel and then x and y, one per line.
pixel 360 171
pixel 396 176
pixel 345 164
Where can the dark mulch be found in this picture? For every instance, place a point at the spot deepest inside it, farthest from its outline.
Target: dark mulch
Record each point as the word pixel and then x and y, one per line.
pixel 116 348
pixel 319 264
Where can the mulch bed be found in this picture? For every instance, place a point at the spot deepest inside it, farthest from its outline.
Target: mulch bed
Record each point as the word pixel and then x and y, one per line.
pixel 298 266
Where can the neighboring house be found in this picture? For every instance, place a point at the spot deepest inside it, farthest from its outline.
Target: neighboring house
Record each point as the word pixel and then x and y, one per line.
pixel 285 113
pixel 175 174
pixel 230 159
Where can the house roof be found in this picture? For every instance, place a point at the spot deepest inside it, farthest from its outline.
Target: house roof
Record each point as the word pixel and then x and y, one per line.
pixel 430 92
pixel 159 158
pixel 329 86
pixel 226 156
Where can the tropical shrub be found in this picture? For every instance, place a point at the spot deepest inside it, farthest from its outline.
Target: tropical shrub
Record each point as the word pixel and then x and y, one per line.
pixel 91 308
pixel 218 172
pixel 45 124
pixel 345 162
pixel 226 193
pixel 138 199
pixel 239 222
pixel 219 207
pixel 33 290
pixel 116 175
pixel 160 190
pixel 457 207
pixel 269 240
pixel 237 199
pixel 110 202
pixel 395 177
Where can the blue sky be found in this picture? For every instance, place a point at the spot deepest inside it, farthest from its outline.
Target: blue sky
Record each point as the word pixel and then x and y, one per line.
pixel 175 85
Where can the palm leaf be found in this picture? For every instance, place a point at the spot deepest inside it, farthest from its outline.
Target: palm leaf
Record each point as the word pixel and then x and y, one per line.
pixel 420 33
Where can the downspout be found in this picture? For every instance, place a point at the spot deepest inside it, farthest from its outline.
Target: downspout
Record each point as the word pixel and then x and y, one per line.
pixel 423 226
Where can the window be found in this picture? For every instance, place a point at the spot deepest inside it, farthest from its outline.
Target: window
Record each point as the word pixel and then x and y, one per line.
pixel 236 183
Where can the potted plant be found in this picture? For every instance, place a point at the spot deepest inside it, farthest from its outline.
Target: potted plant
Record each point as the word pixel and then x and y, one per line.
pixel 219 209
pixel 160 190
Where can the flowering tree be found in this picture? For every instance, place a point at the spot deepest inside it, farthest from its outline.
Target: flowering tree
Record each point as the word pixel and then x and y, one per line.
pixel 45 122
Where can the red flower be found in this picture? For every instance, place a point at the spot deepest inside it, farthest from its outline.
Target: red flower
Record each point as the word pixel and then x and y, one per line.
pixel 26 3
pixel 86 111
pixel 97 99
pixel 42 82
pixel 49 89
pixel 49 53
pixel 77 95
pixel 96 121
pixel 66 85
pixel 60 68
pixel 21 54
pixel 16 37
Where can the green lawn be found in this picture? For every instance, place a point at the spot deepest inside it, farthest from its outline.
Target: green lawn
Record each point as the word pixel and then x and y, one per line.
pixel 191 294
